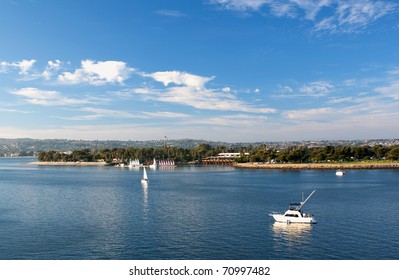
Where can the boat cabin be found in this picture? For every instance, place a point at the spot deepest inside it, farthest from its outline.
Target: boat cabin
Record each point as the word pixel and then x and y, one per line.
pixel 290 214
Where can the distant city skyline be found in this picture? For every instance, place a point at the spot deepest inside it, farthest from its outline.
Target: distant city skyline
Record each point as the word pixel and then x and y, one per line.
pixel 220 70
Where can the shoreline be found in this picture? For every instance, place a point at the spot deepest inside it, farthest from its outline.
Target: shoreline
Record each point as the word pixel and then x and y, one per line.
pixel 67 163
pixel 255 165
pixel 326 166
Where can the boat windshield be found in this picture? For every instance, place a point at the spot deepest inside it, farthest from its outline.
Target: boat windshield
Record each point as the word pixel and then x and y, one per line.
pixel 294 206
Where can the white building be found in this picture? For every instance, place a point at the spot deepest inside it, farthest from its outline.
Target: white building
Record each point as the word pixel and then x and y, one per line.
pixel 231 155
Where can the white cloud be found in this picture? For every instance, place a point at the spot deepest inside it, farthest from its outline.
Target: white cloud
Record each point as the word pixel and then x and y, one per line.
pixel 142 90
pixel 99 113
pixel 97 73
pixel 284 91
pixel 312 7
pixel 312 89
pixel 340 100
pixel 237 121
pixel 319 88
pixel 226 89
pixel 51 68
pixel 343 16
pixel 6 110
pixel 190 90
pixel 170 13
pixel 352 16
pixel 390 90
pixel 180 78
pixel 46 97
pixel 394 71
pixel 24 66
pixel 168 115
pixel 391 87
pixel 362 110
pixel 318 114
pixel 241 5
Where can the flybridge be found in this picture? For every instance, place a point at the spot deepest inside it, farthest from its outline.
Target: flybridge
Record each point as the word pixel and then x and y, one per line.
pixel 294 206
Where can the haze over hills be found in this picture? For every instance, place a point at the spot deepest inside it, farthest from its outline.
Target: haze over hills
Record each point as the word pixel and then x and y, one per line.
pixel 30 147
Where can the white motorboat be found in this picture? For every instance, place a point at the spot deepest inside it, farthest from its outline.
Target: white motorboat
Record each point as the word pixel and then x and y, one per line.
pixel 339 172
pixel 294 214
pixel 145 180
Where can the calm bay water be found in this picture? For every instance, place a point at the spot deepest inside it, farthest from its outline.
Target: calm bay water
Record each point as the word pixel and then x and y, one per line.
pixel 194 213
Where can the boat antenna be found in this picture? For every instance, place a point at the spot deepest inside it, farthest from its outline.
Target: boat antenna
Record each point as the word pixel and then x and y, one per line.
pixel 303 202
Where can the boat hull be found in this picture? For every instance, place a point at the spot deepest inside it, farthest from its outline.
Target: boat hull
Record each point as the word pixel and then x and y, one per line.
pixel 284 219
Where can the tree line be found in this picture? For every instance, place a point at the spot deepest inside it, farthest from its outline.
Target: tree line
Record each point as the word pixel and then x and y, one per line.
pixel 261 153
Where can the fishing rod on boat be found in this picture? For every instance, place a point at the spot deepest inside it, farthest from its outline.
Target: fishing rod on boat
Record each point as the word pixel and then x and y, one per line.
pixel 303 202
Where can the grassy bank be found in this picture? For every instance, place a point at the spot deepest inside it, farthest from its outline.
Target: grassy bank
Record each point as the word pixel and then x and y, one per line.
pixel 341 165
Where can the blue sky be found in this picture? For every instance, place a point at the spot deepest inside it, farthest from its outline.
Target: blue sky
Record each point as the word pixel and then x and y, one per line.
pixel 228 70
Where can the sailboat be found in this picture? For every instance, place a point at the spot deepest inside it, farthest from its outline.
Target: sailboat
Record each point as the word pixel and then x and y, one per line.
pixel 154 164
pixel 144 180
pixel 135 163
pixel 166 163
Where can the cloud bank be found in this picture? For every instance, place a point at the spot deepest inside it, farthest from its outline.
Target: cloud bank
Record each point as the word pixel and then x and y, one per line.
pixel 198 105
pixel 190 90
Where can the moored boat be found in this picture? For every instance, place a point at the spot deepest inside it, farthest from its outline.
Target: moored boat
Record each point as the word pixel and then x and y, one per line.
pixel 339 172
pixel 134 163
pixel 294 214
pixel 166 163
pixel 154 164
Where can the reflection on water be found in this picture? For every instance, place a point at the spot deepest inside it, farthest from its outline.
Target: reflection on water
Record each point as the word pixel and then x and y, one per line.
pixel 144 186
pixel 145 194
pixel 292 234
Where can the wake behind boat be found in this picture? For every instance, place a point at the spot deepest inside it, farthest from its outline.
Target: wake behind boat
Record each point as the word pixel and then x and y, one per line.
pixel 294 214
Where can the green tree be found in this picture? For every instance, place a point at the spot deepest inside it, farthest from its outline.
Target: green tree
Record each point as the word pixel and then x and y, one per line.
pixel 393 153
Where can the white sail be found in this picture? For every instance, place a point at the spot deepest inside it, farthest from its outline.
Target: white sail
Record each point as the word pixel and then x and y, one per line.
pixel 154 164
pixel 166 163
pixel 144 180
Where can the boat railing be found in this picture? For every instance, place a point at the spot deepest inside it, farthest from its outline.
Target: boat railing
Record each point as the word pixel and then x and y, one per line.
pixel 274 213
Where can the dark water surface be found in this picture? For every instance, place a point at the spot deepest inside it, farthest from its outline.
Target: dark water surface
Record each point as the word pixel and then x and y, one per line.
pixel 194 213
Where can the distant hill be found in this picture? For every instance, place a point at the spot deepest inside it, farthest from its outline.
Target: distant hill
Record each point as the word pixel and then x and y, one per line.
pixel 30 147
